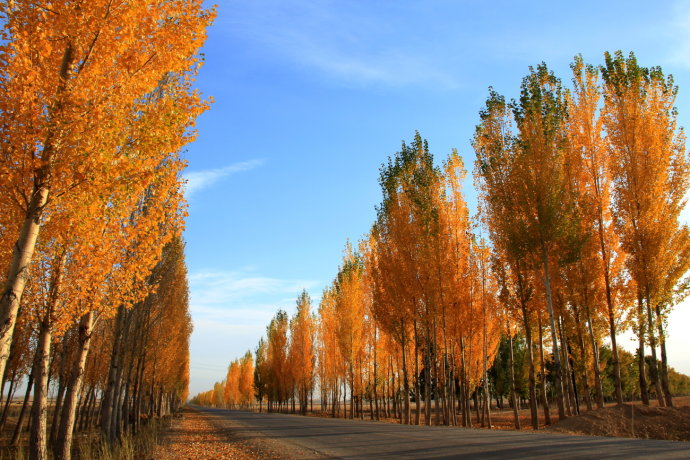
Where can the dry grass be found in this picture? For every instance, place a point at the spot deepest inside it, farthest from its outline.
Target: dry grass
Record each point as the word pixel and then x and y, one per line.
pixel 131 447
pixel 90 446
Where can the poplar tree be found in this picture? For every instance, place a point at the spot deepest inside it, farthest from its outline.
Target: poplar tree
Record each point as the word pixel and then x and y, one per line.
pixel 651 178
pixel 350 313
pixel 404 229
pixel 302 358
pixel 547 220
pixel 495 145
pixel 260 372
pixel 592 162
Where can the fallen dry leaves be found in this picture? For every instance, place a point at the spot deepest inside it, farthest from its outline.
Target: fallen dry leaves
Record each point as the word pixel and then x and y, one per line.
pixel 193 436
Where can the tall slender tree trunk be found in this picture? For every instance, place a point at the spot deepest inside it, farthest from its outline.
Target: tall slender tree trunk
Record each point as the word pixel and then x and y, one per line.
pixel 583 358
pixel 433 378
pixel 427 385
pixel 116 424
pixel 392 403
pixel 74 388
pixel 108 399
pixel 544 396
pixel 376 397
pixel 22 255
pixel 652 344
pixel 160 410
pixel 10 394
pixel 94 412
pixel 83 408
pixel 124 405
pixel 664 360
pixel 575 392
pixel 571 390
pixel 63 376
pixel 595 357
pixel 334 400
pixel 475 398
pixel 406 381
pixel 465 390
pixel 513 393
pixel 451 386
pixel 94 409
pixel 25 404
pixel 554 338
pixel 644 393
pixel 618 385
pixel 38 449
pixel 437 391
pixel 352 391
pixel 485 353
pixel 141 366
pixel 447 373
pixel 4 377
pixel 530 357
pixel 23 249
pixel 57 409
pixel 417 405
pixel 444 390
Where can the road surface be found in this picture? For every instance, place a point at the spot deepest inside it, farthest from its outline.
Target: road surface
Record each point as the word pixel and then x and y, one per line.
pixel 316 437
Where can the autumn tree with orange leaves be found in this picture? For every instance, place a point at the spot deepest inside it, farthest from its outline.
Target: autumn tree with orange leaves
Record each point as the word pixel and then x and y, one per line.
pixel 97 101
pixel 330 364
pixel 592 166
pixel 77 87
pixel 302 357
pixel 651 178
pixel 494 144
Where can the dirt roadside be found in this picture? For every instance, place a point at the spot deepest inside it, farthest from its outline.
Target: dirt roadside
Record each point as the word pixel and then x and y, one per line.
pixel 197 435
pixel 631 421
pixel 193 436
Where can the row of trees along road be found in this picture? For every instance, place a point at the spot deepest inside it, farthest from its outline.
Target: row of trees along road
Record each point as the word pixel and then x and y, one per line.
pixel 96 102
pixel 580 192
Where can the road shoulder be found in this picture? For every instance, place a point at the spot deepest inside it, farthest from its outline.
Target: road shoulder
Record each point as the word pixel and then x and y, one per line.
pixel 205 433
pixel 195 436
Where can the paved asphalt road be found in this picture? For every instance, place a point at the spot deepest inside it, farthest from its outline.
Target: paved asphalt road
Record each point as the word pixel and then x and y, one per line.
pixel 314 437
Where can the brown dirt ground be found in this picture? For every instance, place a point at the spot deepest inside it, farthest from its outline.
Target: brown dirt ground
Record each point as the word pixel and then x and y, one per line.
pixel 632 420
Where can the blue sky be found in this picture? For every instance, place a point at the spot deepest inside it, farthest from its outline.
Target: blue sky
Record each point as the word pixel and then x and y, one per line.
pixel 311 96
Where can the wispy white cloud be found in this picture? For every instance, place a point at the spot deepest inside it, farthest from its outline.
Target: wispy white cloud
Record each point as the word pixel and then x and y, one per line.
pixel 388 67
pixel 199 180
pixel 348 44
pixel 235 289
